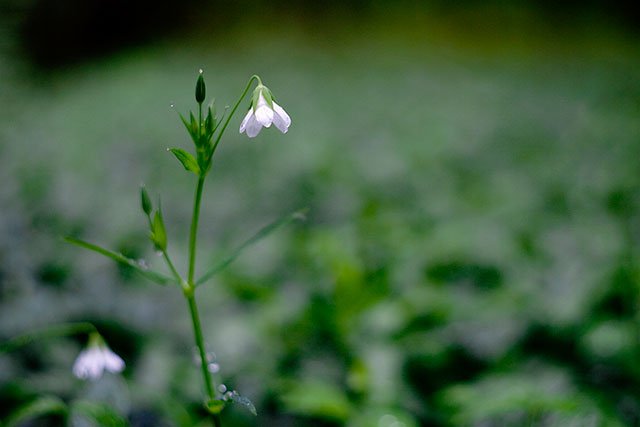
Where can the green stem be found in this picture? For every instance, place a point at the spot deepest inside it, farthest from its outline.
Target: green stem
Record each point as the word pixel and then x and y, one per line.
pixel 204 366
pixel 197 330
pixel 233 110
pixel 172 267
pixel 189 293
pixel 194 230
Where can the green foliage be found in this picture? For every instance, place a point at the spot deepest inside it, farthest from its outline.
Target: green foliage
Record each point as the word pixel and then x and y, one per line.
pixel 186 159
pixel 140 267
pixel 47 405
pixel 470 256
pixel 103 415
pixel 261 234
pixel 314 398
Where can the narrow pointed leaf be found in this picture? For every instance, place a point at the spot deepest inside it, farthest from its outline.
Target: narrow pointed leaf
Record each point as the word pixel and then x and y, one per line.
pixel 261 234
pixel 118 257
pixel 194 125
pixel 188 127
pixel 47 405
pixel 187 160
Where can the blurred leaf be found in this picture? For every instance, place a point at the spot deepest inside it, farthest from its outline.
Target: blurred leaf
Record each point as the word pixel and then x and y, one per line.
pixel 383 417
pixel 188 161
pixel 103 415
pixel 46 405
pixel 316 399
pixel 139 266
pixel 261 234
pixel 481 276
pixel 523 397
pixel 247 403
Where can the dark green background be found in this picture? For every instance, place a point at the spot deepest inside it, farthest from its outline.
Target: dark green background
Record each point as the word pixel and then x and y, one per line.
pixel 470 255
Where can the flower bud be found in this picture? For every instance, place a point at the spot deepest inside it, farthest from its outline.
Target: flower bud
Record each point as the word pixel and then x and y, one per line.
pixel 158 233
pixel 145 200
pixel 201 90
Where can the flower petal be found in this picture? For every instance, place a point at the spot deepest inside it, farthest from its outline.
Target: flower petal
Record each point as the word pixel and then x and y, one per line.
pixel 253 127
pixel 243 125
pixel 263 111
pixel 280 118
pixel 264 115
pixel 89 364
pixel 112 362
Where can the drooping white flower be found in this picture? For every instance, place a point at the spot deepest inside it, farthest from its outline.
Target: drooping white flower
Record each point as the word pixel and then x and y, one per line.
pixel 95 359
pixel 263 112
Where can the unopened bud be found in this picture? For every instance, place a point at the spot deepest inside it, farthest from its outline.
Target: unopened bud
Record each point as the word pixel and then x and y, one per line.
pixel 146 201
pixel 201 90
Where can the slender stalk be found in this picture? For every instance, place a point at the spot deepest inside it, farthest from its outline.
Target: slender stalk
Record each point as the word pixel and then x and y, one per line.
pixel 233 110
pixel 189 293
pixel 197 330
pixel 194 230
pixel 172 267
pixel 189 286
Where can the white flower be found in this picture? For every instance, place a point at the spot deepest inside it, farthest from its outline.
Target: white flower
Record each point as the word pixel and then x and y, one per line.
pixel 95 359
pixel 263 112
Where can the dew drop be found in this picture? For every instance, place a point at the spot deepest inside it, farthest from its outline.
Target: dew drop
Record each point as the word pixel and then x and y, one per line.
pixel 200 71
pixel 213 368
pixel 222 388
pixel 142 264
pixel 172 105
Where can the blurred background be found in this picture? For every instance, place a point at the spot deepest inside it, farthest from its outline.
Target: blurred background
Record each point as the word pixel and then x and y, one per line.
pixel 470 253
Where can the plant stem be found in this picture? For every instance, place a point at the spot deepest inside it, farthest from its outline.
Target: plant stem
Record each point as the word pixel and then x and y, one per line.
pixel 189 293
pixel 197 330
pixel 172 267
pixel 194 230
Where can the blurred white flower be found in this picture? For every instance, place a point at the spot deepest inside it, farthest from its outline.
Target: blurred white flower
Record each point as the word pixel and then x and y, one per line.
pixel 263 112
pixel 95 359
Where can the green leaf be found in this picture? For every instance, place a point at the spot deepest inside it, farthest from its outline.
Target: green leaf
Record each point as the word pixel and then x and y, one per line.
pixel 46 405
pixel 316 399
pixel 209 123
pixel 194 127
pixel 261 234
pixel 247 403
pixel 187 160
pixel 103 415
pixel 158 232
pixel 118 257
pixel 189 126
